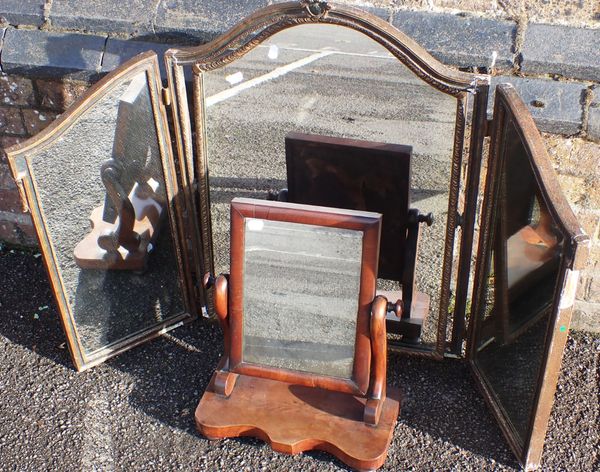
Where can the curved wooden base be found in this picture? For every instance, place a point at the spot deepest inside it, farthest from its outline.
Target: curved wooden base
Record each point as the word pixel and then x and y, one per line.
pixel 294 418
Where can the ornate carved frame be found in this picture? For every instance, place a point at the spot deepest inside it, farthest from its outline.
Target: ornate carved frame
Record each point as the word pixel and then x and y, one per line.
pixel 509 108
pixel 20 156
pixel 264 23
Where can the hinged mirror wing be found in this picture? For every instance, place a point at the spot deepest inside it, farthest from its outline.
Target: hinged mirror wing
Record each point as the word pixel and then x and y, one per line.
pixel 275 95
pixel 100 184
pixel 530 250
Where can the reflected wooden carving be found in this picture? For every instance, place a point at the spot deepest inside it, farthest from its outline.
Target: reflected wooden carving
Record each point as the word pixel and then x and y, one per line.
pixel 125 228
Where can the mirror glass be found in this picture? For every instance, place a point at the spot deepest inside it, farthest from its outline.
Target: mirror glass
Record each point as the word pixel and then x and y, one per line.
pixel 101 192
pixel 301 286
pixel 328 81
pixel 521 282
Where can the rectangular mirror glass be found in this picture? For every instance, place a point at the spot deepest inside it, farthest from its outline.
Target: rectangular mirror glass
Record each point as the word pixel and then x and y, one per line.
pixel 301 285
pixel 525 282
pixel 99 185
pixel 302 282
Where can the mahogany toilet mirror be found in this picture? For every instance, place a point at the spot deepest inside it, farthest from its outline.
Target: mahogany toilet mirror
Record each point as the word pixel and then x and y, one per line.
pixel 304 334
pixel 280 98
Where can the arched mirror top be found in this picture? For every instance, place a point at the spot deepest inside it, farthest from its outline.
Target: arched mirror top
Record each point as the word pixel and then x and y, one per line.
pixel 270 20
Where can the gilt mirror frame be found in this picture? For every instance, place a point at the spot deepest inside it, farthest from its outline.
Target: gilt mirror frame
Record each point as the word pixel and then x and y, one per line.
pixel 470 91
pixel 20 160
pixel 509 110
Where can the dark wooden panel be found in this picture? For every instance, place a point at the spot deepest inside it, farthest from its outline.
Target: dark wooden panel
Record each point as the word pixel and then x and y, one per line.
pixel 359 175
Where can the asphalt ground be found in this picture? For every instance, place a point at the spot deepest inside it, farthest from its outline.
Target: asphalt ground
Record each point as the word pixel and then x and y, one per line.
pixel 135 412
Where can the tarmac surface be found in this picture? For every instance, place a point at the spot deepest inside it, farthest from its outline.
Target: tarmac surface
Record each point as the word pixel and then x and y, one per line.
pixel 136 412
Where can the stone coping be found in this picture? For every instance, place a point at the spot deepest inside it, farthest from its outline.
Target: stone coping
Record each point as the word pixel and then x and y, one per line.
pixel 116 31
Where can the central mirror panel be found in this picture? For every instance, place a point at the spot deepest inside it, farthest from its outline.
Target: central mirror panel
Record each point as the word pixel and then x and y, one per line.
pixel 330 82
pixel 300 296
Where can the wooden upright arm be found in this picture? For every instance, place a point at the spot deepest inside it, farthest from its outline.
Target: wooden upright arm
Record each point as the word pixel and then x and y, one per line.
pixel 224 380
pixel 378 335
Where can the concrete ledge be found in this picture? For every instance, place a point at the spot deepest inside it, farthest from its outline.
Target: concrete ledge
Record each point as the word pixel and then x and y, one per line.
pixel 131 16
pixel 593 124
pixel 570 52
pixel 203 20
pixel 557 107
pixel 23 12
pixel 463 41
pixel 45 54
pixel 119 51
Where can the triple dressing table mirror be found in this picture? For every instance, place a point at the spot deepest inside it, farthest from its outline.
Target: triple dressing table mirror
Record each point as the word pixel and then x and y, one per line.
pixel 132 209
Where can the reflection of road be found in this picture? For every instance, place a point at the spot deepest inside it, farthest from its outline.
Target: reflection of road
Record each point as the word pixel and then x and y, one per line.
pixel 296 300
pixel 356 90
pixel 107 306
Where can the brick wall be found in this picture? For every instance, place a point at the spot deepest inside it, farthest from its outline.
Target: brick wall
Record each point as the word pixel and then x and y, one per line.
pixel 577 162
pixel 27 106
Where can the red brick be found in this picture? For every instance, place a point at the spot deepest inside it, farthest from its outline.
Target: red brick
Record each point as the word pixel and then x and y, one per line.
pixel 59 95
pixel 27 235
pixel 10 201
pixel 36 121
pixel 594 289
pixel 11 121
pixel 6 179
pixel 590 222
pixel 16 90
pixel 8 141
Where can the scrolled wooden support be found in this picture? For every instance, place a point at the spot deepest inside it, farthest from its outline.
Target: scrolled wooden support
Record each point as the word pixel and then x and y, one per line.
pixel 224 380
pixel 123 234
pixel 377 392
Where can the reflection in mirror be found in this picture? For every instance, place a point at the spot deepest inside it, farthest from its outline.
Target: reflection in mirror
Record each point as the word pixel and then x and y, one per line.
pixel 522 278
pixel 101 192
pixel 301 286
pixel 329 81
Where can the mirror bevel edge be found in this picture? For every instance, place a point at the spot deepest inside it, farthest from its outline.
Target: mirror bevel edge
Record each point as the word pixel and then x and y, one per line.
pixel 464 86
pixel 510 109
pixel 19 162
